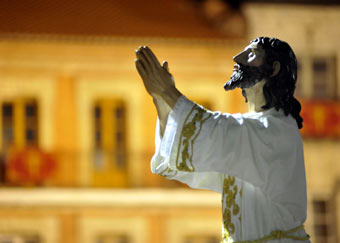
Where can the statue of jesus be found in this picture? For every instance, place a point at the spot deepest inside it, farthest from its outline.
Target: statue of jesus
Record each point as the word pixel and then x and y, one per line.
pixel 255 160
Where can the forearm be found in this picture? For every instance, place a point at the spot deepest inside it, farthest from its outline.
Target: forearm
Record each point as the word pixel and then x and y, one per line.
pixel 171 96
pixel 163 111
pixel 164 104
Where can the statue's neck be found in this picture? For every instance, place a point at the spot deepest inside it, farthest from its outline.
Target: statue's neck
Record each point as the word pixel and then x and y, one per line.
pixel 255 97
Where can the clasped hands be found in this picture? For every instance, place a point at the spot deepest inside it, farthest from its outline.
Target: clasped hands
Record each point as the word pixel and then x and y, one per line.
pixel 157 79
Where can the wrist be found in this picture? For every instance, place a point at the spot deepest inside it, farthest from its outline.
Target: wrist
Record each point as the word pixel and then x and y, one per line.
pixel 171 97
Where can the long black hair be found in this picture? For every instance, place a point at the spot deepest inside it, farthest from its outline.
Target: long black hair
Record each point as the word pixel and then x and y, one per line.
pixel 278 91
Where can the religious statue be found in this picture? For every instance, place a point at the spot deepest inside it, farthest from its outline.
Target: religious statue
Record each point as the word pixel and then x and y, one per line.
pixel 255 160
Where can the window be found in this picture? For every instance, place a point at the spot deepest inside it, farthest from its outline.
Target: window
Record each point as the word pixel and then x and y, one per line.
pixel 110 156
pixel 31 117
pixel 324 78
pixel 7 124
pixel 19 123
pixel 19 239
pixel 19 120
pixel 317 78
pixel 324 223
pixel 202 239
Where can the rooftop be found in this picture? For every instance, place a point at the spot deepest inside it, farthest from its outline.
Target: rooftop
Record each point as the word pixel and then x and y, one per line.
pixel 123 18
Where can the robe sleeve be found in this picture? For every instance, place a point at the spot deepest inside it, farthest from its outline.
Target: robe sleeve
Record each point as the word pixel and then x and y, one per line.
pixel 199 147
pixel 166 149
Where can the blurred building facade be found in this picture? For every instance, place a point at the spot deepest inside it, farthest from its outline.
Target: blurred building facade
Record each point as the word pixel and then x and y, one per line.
pixel 77 127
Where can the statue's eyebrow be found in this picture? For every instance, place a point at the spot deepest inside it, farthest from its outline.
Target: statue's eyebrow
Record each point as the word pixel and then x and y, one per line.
pixel 250 49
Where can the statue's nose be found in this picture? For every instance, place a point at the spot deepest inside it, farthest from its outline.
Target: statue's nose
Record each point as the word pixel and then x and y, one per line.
pixel 238 58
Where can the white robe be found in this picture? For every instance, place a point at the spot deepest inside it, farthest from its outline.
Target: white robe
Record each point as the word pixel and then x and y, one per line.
pixel 255 160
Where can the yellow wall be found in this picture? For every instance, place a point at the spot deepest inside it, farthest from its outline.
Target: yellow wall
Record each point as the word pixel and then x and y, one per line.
pixel 145 216
pixel 68 77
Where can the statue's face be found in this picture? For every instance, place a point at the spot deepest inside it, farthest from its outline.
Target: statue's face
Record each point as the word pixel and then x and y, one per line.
pixel 248 69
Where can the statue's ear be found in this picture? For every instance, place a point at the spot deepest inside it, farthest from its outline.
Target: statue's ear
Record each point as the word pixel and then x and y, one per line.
pixel 276 68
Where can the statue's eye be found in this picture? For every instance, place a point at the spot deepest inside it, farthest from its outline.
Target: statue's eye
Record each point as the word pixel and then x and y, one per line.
pixel 251 54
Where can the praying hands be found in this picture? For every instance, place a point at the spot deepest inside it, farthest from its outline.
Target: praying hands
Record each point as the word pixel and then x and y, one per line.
pixel 157 79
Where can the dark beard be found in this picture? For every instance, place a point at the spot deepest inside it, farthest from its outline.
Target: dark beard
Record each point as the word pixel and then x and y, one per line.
pixel 245 77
